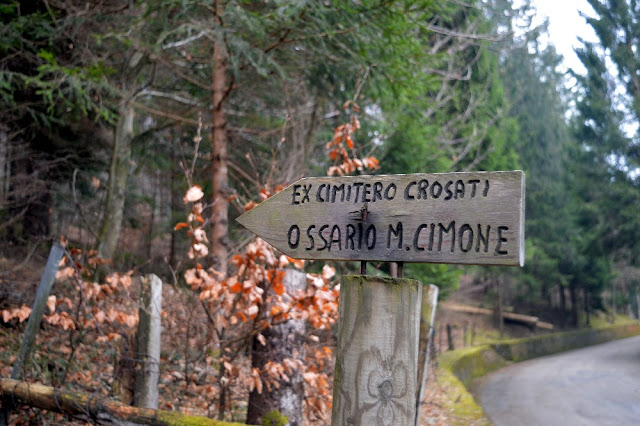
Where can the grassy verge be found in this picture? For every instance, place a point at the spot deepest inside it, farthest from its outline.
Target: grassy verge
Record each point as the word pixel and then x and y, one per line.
pixel 460 407
pixel 458 369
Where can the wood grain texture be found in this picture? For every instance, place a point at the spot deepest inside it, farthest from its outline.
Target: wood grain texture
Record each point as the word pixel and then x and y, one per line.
pixel 376 361
pixel 33 325
pixel 529 320
pixel 427 334
pixel 94 408
pixel 148 347
pixel 465 218
pixel 39 306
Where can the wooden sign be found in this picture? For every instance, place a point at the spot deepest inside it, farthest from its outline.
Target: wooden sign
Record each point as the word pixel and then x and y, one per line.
pixel 466 218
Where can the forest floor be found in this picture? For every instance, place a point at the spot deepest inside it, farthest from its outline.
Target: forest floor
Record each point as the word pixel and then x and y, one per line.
pixel 186 386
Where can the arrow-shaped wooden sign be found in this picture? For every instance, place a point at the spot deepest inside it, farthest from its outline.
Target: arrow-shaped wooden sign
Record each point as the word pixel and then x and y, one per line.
pixel 468 218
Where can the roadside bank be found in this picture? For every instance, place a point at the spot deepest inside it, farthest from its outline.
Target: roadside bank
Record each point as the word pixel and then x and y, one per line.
pixel 459 368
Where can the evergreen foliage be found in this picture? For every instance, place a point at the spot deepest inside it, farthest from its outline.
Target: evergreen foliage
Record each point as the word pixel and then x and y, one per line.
pixel 439 86
pixel 605 173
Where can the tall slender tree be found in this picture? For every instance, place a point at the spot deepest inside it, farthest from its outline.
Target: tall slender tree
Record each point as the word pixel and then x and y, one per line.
pixel 606 124
pixel 534 87
pixel 49 105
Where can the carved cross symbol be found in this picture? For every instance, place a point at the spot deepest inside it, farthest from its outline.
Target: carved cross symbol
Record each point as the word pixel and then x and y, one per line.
pixel 360 215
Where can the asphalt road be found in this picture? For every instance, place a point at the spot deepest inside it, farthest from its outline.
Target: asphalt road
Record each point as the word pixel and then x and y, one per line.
pixel 598 385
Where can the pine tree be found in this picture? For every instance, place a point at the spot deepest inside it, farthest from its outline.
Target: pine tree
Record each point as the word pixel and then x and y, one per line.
pixel 606 179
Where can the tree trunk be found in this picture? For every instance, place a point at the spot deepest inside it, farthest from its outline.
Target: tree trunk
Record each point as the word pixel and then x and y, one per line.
pixel 117 186
pixel 284 341
pixel 28 197
pixel 573 292
pixel 499 316
pixel 176 204
pixel 5 169
pixel 155 213
pixel 219 209
pixel 563 304
pixel 613 303
pixel 544 293
pixel 587 308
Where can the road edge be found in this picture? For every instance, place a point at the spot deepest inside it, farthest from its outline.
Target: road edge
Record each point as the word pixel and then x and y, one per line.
pixel 459 368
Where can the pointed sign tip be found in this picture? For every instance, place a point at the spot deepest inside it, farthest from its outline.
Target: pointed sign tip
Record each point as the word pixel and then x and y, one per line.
pixel 242 219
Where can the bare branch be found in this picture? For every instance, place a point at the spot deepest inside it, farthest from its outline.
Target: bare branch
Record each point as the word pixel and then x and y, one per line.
pixel 179 73
pixel 166 95
pixel 165 114
pixel 185 41
pixel 21 264
pixel 244 174
pixel 463 35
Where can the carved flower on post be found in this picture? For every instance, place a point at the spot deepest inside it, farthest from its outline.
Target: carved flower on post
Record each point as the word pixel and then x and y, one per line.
pixel 382 388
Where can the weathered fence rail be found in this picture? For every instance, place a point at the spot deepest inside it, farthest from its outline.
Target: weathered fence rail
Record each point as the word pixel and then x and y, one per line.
pixel 93 408
pixel 528 320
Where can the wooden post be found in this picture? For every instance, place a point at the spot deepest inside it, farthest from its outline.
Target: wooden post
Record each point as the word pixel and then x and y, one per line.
pixel 283 341
pixel 375 378
pixel 450 337
pixel 427 335
pixel 465 329
pixel 33 324
pixel 473 332
pixel 148 351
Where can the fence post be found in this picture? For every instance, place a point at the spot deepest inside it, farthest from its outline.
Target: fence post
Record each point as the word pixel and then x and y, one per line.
pixel 375 378
pixel 450 337
pixel 473 333
pixel 427 337
pixel 33 324
pixel 148 351
pixel 465 335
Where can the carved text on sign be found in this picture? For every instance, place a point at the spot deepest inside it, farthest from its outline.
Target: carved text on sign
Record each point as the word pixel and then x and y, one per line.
pixel 475 218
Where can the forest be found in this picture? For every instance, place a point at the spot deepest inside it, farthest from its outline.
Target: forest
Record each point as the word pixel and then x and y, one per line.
pixel 136 132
